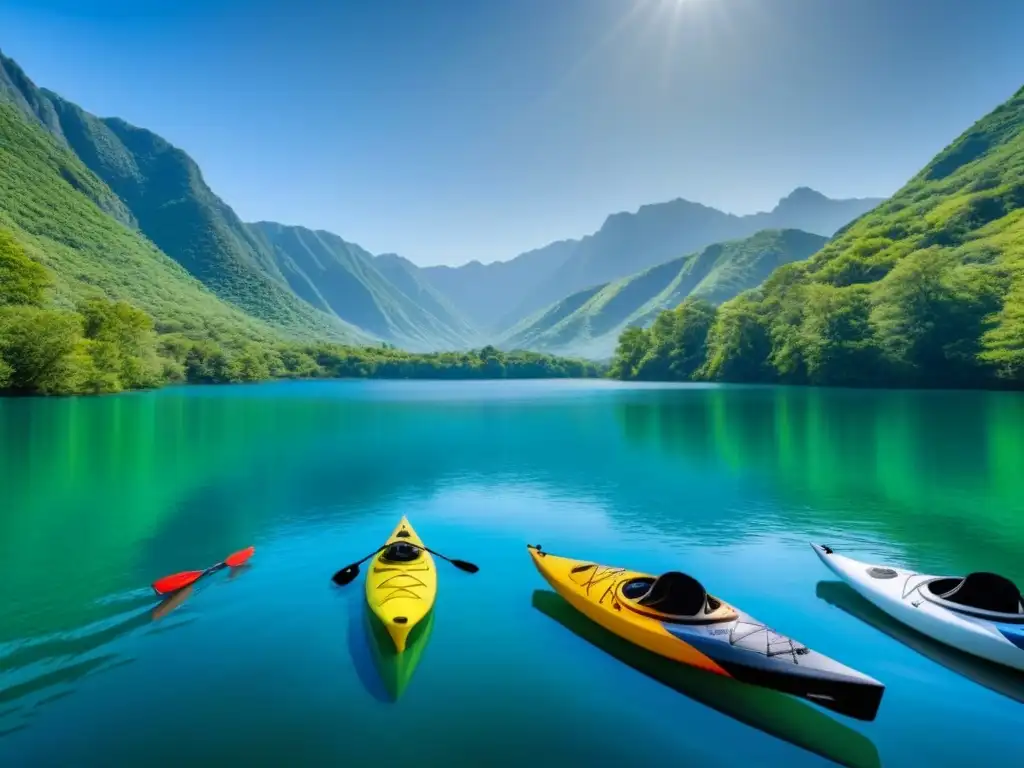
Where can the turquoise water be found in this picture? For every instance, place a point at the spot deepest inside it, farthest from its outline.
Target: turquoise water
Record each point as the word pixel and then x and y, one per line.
pixel 273 664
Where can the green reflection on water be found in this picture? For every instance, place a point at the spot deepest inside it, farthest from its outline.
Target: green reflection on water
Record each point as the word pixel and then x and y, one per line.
pixel 936 474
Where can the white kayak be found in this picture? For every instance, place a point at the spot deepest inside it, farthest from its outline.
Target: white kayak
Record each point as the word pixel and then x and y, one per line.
pixel 980 613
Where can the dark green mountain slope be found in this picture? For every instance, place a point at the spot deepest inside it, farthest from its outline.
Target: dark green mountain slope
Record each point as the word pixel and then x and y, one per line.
pixel 499 295
pixel 49 200
pixel 161 190
pixel 589 322
pixel 346 280
pixel 925 290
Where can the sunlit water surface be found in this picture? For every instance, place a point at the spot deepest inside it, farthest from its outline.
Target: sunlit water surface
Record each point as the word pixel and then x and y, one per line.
pixel 274 665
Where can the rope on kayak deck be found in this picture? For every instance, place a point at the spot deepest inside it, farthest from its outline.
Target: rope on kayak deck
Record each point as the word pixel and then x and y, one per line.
pixel 598 573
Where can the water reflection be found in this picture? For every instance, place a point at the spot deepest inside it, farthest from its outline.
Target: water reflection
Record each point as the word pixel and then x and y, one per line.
pixel 396 669
pixel 131 480
pixel 774 713
pixel 1007 682
pixel 918 470
pixel 170 603
pixel 362 655
pixel 123 490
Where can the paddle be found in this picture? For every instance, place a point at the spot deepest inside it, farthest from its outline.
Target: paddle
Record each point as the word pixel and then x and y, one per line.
pixel 178 581
pixel 348 574
pixel 462 565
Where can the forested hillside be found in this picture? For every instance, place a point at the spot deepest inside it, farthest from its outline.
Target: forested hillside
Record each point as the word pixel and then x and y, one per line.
pixel 88 304
pixel 165 196
pixel 925 290
pixel 589 322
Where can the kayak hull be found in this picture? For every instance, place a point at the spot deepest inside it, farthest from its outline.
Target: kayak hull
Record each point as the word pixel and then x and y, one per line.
pixel 784 717
pixel 900 593
pixel 728 642
pixel 401 594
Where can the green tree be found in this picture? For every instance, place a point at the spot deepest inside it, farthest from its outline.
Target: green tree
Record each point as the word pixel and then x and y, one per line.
pixel 696 318
pixel 37 347
pixel 662 342
pixel 836 338
pixel 1004 343
pixel 738 343
pixel 631 349
pixel 22 281
pixel 125 342
pixel 930 314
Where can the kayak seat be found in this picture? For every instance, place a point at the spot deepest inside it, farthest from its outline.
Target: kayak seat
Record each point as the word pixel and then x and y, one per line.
pixel 676 594
pixel 983 590
pixel 400 552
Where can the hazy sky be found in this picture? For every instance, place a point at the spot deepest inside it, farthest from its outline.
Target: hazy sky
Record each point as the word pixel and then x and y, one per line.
pixel 451 130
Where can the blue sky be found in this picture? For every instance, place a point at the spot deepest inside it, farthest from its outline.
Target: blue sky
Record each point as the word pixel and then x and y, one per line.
pixel 451 130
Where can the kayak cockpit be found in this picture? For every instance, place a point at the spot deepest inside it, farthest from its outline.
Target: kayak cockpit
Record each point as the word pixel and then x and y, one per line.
pixel 400 552
pixel 676 597
pixel 981 593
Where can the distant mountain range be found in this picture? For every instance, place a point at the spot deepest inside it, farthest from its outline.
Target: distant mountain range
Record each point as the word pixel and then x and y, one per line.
pixel 496 296
pixel 167 242
pixel 588 323
pixel 384 296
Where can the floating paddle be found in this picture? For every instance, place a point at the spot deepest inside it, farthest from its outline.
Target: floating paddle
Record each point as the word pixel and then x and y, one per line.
pixel 348 574
pixel 180 580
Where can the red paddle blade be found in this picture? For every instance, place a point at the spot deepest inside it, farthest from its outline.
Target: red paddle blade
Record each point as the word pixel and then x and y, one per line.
pixel 175 582
pixel 238 558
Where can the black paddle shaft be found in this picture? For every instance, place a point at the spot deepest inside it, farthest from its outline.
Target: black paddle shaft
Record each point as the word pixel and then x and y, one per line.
pixel 348 574
pixel 462 565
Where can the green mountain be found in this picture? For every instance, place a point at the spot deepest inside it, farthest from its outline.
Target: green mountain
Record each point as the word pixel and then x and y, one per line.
pixel 73 280
pixel 312 285
pixel 408 278
pixel 58 210
pixel 925 290
pixel 590 321
pixel 377 294
pixel 162 193
pixel 498 296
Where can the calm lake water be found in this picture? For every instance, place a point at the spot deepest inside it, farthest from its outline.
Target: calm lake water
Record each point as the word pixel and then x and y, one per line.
pixel 274 665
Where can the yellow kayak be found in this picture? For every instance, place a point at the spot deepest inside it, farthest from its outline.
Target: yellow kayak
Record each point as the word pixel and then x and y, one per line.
pixel 401 583
pixel 673 616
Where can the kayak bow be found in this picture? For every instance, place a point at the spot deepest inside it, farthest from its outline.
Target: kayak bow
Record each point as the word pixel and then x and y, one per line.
pixel 402 583
pixel 674 617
